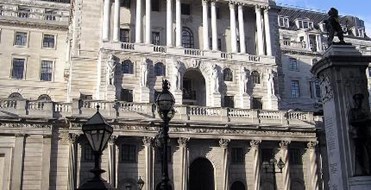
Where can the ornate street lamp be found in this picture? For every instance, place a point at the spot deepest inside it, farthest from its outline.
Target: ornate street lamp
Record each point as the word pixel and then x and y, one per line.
pixel 165 102
pixel 140 183
pixel 271 165
pixel 98 132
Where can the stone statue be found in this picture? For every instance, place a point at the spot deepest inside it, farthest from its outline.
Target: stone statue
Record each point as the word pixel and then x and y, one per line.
pixel 333 27
pixel 215 78
pixel 270 82
pixel 244 79
pixel 177 75
pixel 111 65
pixel 144 69
pixel 360 132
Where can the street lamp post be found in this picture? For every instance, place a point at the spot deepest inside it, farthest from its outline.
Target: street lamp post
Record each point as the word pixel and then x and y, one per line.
pixel 272 166
pixel 165 102
pixel 140 183
pixel 98 132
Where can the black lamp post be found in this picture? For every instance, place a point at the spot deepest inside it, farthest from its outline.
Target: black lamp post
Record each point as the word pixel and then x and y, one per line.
pixel 140 183
pixel 98 132
pixel 272 166
pixel 165 102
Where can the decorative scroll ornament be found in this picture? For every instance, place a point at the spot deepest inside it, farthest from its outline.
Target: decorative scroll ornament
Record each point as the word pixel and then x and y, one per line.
pixel 284 144
pixel 255 143
pixel 326 89
pixel 312 144
pixel 224 143
pixel 147 141
pixel 182 141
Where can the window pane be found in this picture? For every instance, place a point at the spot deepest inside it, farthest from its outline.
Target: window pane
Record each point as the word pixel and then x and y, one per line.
pixel 124 35
pixel 155 5
pixel 295 89
pixel 125 3
pixel 228 101
pixel 128 153
pixel 127 67
pixel 156 38
pixel 293 64
pixel 48 41
pixel 18 68
pixel 237 155
pixel 46 70
pixel 127 95
pixel 185 9
pixel 20 38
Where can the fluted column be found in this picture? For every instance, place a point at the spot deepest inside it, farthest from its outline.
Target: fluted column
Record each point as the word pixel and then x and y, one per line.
pixel 184 162
pixel 214 29
pixel 178 24
pixel 286 168
pixel 224 145
pixel 205 24
pixel 116 22
pixel 313 164
pixel 232 18
pixel 147 142
pixel 148 22
pixel 106 19
pixel 241 27
pixel 72 140
pixel 256 163
pixel 112 160
pixel 267 32
pixel 138 22
pixel 259 30
pixel 169 23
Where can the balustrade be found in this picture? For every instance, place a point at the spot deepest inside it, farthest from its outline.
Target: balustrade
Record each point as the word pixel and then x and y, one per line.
pixel 35 15
pixel 115 109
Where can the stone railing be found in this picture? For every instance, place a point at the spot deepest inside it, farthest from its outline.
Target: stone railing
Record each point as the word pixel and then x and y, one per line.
pixel 33 15
pixel 187 52
pixel 129 110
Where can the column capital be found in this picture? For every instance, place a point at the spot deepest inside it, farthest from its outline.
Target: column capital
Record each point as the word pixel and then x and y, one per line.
pixel 266 9
pixel 284 144
pixel 147 141
pixel 255 143
pixel 232 3
pixel 312 144
pixel 204 2
pixel 224 143
pixel 113 139
pixel 68 138
pixel 240 4
pixel 183 141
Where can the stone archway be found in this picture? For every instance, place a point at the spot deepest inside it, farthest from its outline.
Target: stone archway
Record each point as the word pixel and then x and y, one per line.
pixel 194 88
pixel 201 175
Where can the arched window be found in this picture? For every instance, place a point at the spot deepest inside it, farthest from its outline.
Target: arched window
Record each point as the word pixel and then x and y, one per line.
pixel 15 95
pixel 127 67
pixel 44 97
pixel 160 69
pixel 187 38
pixel 255 77
pixel 227 74
pixel 237 185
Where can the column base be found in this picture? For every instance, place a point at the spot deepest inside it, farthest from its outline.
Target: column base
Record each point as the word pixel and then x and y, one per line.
pixel 216 100
pixel 243 101
pixel 144 95
pixel 111 93
pixel 270 102
pixel 178 96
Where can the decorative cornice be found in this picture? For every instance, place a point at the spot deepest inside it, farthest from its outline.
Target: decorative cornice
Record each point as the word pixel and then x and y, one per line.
pixel 26 125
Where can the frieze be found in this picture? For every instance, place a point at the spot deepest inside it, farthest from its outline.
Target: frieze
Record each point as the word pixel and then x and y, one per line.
pixel 24 125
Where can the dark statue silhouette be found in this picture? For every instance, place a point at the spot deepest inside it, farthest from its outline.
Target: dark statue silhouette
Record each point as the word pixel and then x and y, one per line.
pixel 360 132
pixel 333 28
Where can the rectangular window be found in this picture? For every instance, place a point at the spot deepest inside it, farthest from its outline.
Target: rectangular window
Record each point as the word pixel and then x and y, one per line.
pixel 295 156
pixel 159 155
pixel 267 154
pixel 125 3
pixel 305 24
pixel 18 68
pixel 219 44
pixel 20 39
pixel 186 9
pixel 124 35
pixel 128 153
pixel 155 5
pixel 86 97
pixel 257 103
pixel 156 38
pixel 295 89
pixel 293 64
pixel 237 155
pixel 127 95
pixel 46 72
pixel 87 153
pixel 283 21
pixel 317 89
pixel 229 101
pixel 48 41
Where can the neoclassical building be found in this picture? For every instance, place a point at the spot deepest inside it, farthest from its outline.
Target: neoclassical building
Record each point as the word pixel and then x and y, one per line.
pixel 62 58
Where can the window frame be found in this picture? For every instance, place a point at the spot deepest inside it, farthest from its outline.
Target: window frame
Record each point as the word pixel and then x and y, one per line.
pixel 283 21
pixel 159 66
pixel 128 97
pixel 15 39
pixel 295 89
pixel 228 101
pixel 128 147
pixel 293 64
pixel 130 67
pixel 185 9
pixel 52 63
pixel 156 34
pixel 24 68
pixel 255 76
pixel 125 3
pixel 155 4
pixel 122 37
pixel 237 155
pixel 227 75
pixel 191 43
pixel 54 41
pixel 294 158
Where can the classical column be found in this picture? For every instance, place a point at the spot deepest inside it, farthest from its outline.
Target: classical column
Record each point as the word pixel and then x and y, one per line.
pixel 256 162
pixel 106 19
pixel 72 140
pixel 214 32
pixel 184 162
pixel 313 165
pixel 116 22
pixel 138 22
pixel 286 169
pixel 232 18
pixel 148 22
pixel 267 32
pixel 147 142
pixel 112 160
pixel 205 24
pixel 319 42
pixel 17 171
pixel 224 145
pixel 169 23
pixel 241 27
pixel 178 24
pixel 259 30
pixel 46 161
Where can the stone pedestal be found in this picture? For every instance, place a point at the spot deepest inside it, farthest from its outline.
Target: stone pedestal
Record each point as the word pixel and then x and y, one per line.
pixel 342 75
pixel 270 102
pixel 111 93
pixel 244 102
pixel 217 100
pixel 178 96
pixel 144 95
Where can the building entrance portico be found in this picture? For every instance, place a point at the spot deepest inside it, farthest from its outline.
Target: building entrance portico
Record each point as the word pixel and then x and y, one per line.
pixel 201 175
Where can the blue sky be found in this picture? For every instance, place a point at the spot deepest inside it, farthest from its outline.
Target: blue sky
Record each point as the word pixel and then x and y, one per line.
pixel 359 8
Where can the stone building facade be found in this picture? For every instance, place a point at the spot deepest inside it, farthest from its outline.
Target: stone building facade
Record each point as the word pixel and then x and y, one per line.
pixel 62 58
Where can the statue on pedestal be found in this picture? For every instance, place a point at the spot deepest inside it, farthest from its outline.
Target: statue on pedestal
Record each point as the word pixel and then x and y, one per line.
pixel 111 67
pixel 333 27
pixel 360 132
pixel 244 80
pixel 215 78
pixel 270 83
pixel 144 69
